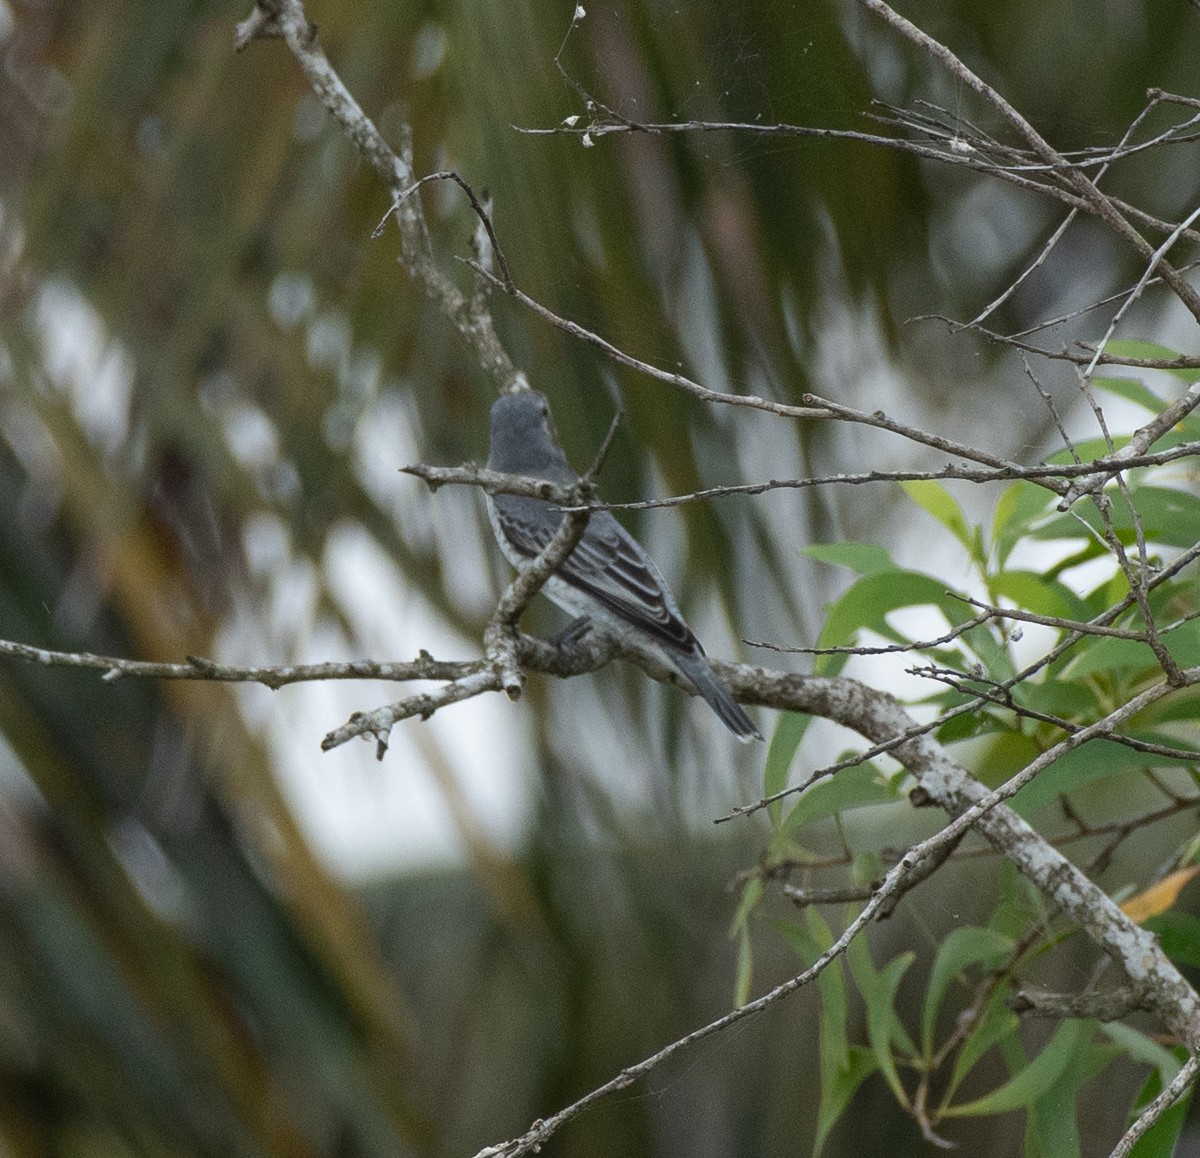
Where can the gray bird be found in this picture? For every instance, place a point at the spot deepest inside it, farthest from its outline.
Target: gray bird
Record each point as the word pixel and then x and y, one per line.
pixel 608 578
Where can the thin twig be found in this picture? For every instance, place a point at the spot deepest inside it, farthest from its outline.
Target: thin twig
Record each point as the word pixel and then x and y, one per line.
pixel 1155 1110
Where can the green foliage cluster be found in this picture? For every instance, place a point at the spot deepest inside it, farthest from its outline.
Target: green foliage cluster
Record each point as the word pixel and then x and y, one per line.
pixel 1031 699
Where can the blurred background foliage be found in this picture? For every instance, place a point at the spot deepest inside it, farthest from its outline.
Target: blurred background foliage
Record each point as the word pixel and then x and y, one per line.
pixel 212 938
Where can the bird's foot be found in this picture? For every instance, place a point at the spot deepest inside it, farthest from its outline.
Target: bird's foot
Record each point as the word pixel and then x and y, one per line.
pixel 571 634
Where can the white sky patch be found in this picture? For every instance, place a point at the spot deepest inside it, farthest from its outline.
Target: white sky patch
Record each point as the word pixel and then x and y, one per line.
pixel 389 619
pixel 387 437
pixel 292 299
pixel 329 341
pixel 266 543
pixel 366 818
pixel 361 817
pixel 250 435
pixel 33 445
pixel 81 360
pixel 428 51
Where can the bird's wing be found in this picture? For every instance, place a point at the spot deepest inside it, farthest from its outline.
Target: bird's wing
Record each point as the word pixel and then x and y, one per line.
pixel 608 564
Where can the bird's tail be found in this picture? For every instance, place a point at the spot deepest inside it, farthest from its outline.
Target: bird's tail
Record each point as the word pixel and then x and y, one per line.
pixel 718 697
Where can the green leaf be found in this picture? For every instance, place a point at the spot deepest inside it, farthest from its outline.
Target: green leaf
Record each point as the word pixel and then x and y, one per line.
pixel 932 497
pixel 843 1067
pixel 855 787
pixel 1030 1083
pixel 745 968
pixel 1083 765
pixel 1131 389
pixel 867 603
pixel 970 726
pixel 1179 935
pixel 1103 656
pixel 751 894
pixel 1169 516
pixel 1052 1129
pixel 1090 448
pixel 1005 754
pixel 1018 507
pixel 1183 706
pixel 836 1096
pixel 1070 701
pixel 835 1045
pixel 1144 1049
pixel 810 941
pixel 1161 1139
pixel 878 989
pixel 785 741
pixel 996 1023
pixel 1131 348
pixel 961 949
pixel 1108 654
pixel 1033 592
pixel 865 558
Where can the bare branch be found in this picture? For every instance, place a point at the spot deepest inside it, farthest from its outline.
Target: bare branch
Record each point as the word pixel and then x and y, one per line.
pixel 1158 1107
pixel 1141 441
pixel 495 481
pixel 472 321
pixel 1111 1005
pixel 380 721
pixel 1063 623
pixel 1095 201
pixel 874 713
pixel 424 667
pixel 803 897
pixel 978 686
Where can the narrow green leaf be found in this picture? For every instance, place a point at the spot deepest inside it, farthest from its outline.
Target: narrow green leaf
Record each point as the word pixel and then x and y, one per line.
pixel 878 989
pixel 1131 348
pixel 1029 1083
pixel 1142 1048
pixel 867 603
pixel 751 894
pixel 1169 516
pixel 853 787
pixel 1031 591
pixel 1090 448
pixel 936 500
pixel 1084 765
pixel 1052 1129
pixel 810 941
pixel 1071 701
pixel 1161 1139
pixel 843 1067
pixel 1132 390
pixel 996 1023
pixel 1105 655
pixel 745 968
pixel 836 1096
pixel 1018 507
pixel 785 741
pixel 1102 656
pixel 959 951
pixel 865 558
